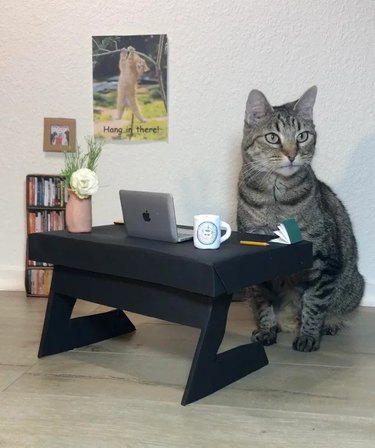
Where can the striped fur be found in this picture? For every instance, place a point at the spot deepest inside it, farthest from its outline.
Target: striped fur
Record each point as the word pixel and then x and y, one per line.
pixel 277 182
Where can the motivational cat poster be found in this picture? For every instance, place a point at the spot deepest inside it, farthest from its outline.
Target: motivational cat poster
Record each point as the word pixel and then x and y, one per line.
pixel 130 87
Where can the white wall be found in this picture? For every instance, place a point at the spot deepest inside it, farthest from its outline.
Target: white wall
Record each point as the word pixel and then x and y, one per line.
pixel 218 52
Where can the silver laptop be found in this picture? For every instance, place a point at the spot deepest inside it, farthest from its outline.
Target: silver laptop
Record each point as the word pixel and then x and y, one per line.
pixel 151 215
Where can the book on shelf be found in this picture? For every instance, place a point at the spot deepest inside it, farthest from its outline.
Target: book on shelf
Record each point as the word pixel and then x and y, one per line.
pixel 46 220
pixel 46 191
pixel 39 281
pixel 46 197
pixel 33 263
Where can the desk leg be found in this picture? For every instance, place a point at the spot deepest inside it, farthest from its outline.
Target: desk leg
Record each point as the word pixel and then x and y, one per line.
pixel 210 370
pixel 61 333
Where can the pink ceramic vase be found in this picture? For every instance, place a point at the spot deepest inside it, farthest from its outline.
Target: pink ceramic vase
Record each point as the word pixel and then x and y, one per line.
pixel 78 214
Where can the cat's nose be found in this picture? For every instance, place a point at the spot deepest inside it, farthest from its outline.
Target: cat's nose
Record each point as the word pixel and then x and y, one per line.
pixel 290 151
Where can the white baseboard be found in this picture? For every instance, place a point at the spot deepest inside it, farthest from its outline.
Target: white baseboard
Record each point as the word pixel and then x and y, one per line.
pixel 13 279
pixel 369 295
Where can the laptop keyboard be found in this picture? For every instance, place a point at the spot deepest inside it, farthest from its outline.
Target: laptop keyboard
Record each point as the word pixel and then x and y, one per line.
pixel 182 233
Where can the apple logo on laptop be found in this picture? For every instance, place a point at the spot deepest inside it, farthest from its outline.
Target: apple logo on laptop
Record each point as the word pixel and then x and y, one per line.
pixel 146 216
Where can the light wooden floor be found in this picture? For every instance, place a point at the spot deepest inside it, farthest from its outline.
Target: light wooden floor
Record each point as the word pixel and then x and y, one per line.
pixel 126 392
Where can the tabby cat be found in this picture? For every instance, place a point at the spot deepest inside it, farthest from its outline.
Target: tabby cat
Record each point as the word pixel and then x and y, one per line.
pixel 277 182
pixel 131 66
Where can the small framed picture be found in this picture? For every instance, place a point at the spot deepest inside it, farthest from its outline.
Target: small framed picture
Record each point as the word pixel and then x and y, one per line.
pixel 59 135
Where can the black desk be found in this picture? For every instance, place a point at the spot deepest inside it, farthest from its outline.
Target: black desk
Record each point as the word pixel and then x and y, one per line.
pixel 173 282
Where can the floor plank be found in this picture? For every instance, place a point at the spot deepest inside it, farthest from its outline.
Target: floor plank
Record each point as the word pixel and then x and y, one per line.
pixel 126 392
pixel 62 421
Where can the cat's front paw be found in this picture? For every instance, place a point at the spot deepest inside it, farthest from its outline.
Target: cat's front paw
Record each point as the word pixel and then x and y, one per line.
pixel 306 343
pixel 265 337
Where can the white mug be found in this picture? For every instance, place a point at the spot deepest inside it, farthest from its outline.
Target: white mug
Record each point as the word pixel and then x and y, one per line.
pixel 207 231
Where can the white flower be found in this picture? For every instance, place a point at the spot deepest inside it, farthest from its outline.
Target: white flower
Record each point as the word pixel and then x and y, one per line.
pixel 84 183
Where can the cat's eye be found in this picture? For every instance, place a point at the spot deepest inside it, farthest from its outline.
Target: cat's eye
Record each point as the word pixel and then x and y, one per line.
pixel 302 137
pixel 272 138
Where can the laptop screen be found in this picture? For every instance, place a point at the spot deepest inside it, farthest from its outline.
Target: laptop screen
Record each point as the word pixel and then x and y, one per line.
pixel 149 215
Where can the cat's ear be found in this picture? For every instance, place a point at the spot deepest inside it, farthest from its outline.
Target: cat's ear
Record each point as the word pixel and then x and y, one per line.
pixel 304 106
pixel 257 108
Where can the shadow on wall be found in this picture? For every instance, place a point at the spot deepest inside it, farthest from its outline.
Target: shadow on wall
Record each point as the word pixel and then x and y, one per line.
pixel 357 188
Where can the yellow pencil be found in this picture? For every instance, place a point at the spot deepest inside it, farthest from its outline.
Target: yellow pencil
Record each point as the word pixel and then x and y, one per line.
pixel 254 243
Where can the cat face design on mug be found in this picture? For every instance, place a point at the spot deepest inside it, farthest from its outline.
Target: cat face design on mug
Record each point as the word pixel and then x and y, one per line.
pixel 207 232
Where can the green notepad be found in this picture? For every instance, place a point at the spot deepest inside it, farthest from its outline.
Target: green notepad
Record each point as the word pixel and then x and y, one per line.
pixel 288 232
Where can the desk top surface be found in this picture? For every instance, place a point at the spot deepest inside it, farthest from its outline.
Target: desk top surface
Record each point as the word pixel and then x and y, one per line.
pixel 108 250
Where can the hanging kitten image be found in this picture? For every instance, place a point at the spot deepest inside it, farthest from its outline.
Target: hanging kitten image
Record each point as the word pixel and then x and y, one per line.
pixel 130 88
pixel 277 182
pixel 131 66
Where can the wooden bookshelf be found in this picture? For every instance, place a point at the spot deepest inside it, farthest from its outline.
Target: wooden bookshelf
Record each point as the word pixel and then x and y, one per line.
pixel 45 211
